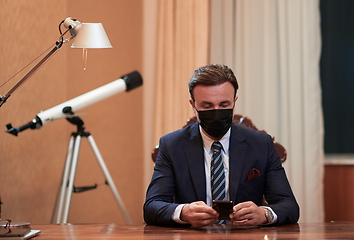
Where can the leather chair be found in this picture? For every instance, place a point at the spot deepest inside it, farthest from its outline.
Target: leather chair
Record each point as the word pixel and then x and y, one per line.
pixel 241 120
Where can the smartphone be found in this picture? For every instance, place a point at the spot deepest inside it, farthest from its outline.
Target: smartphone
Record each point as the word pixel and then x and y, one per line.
pixel 224 208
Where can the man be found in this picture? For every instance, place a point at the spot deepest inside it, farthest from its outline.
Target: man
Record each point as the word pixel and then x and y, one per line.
pixel 183 183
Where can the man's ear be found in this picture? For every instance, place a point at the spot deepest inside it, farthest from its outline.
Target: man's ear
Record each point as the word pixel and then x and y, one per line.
pixel 193 107
pixel 235 99
pixel 191 102
pixel 234 109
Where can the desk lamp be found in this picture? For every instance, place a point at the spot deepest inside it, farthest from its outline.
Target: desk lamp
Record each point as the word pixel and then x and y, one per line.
pixel 88 35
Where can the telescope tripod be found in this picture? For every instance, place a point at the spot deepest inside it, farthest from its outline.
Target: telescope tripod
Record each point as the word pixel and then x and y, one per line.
pixel 67 186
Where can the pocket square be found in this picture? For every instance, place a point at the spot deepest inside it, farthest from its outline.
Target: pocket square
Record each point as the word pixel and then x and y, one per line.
pixel 253 174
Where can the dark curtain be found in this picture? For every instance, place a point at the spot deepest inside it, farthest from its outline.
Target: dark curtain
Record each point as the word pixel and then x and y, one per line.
pixel 337 74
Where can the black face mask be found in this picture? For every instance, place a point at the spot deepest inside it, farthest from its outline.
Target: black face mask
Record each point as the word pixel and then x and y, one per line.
pixel 216 122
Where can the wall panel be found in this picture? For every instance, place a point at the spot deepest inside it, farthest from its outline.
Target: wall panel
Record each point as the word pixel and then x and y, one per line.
pixel 31 164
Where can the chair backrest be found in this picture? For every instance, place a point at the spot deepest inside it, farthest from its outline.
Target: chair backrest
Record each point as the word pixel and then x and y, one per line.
pixel 241 120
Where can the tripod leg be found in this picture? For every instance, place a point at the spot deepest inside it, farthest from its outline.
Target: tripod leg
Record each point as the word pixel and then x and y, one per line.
pixel 69 189
pixel 65 178
pixel 109 179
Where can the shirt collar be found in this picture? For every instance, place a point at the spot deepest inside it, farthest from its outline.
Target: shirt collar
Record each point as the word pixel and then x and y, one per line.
pixel 207 141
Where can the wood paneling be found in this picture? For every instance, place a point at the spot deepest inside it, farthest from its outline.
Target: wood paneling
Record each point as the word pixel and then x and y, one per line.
pixel 338 193
pixel 31 164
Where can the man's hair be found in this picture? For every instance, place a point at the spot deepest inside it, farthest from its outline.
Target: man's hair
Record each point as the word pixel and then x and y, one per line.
pixel 211 75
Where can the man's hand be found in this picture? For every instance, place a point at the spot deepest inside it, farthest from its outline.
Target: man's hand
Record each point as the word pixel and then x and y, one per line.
pixel 198 214
pixel 248 213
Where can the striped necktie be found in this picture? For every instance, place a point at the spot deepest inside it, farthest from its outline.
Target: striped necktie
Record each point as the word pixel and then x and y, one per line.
pixel 217 173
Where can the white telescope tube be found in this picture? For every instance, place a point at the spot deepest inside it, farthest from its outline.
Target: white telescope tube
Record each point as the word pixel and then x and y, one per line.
pixel 125 83
pixel 83 101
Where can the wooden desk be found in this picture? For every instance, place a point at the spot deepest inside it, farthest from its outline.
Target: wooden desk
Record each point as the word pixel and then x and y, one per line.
pixel 111 231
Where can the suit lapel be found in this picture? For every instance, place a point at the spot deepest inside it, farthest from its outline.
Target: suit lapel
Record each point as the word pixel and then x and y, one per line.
pixel 237 158
pixel 193 150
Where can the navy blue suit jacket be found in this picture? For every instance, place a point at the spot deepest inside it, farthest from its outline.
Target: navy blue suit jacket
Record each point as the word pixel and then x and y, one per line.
pixel 179 175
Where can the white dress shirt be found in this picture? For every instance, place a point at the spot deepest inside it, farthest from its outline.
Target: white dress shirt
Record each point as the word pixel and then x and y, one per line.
pixel 207 142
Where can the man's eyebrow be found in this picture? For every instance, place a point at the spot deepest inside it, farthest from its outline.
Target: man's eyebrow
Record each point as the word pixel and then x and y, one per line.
pixel 226 101
pixel 205 102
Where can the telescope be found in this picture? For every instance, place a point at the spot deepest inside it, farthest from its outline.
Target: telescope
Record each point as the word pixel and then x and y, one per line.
pixel 67 109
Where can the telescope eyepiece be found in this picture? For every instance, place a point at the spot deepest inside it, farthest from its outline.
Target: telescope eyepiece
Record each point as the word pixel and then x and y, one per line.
pixel 132 80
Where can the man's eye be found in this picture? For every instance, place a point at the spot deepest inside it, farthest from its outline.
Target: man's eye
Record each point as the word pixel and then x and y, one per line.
pixel 206 106
pixel 225 105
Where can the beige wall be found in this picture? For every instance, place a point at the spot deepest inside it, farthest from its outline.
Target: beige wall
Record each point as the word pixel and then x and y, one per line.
pixel 31 164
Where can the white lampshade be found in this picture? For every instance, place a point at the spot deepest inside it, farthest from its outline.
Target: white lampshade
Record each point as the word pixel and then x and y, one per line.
pixel 91 35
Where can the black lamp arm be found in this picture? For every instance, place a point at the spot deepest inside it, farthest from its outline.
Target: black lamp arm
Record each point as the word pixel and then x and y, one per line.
pixel 57 46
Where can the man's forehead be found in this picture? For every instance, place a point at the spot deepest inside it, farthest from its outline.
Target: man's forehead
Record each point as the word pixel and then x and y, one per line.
pixel 214 93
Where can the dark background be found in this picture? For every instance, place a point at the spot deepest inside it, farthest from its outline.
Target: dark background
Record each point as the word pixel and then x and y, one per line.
pixel 337 74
